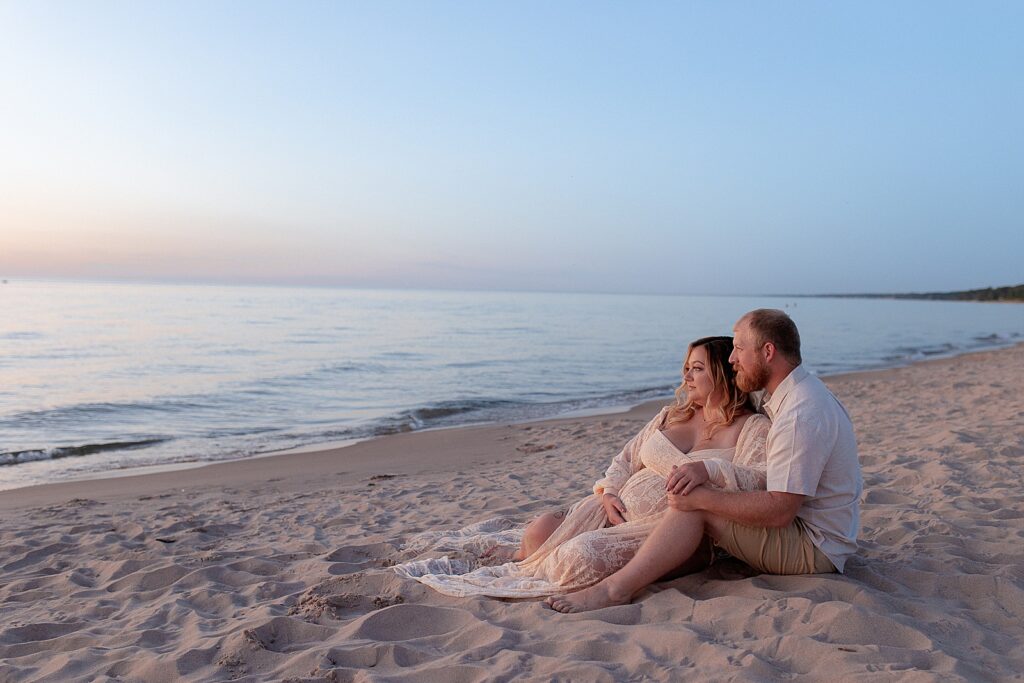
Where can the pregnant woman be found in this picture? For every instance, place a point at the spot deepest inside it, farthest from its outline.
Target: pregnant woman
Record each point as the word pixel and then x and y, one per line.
pixel 709 434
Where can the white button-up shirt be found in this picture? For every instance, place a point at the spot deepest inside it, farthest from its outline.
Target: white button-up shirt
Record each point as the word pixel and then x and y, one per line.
pixel 812 451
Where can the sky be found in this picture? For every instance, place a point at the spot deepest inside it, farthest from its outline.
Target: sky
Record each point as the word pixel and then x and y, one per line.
pixel 637 147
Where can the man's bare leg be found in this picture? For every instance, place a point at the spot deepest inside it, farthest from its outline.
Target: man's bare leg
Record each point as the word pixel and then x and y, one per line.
pixel 676 538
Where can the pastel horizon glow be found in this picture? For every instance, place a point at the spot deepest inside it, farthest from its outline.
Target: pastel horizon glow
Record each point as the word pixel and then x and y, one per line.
pixel 613 147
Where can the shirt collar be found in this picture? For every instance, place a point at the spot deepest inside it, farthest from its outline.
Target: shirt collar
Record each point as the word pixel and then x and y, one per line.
pixel 774 402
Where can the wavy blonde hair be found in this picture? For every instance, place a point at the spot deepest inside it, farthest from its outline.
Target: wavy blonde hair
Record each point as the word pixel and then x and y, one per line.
pixel 729 402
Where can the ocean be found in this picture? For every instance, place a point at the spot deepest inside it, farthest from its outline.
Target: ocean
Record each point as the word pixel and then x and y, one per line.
pixel 97 378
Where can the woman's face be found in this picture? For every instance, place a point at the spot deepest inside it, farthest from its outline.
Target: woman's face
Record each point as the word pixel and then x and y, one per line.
pixel 697 377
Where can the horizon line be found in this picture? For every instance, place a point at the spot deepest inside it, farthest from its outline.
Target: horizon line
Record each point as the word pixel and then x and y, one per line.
pixel 200 282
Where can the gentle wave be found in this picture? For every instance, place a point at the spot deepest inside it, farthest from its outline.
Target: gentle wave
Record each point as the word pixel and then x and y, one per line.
pixel 76 414
pixel 453 413
pixel 979 342
pixel 331 371
pixel 20 336
pixel 430 416
pixel 439 414
pixel 34 455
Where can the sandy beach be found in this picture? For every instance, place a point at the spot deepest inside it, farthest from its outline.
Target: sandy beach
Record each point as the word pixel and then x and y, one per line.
pixel 278 568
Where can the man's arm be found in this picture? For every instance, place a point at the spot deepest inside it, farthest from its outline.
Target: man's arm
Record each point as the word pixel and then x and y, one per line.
pixel 752 508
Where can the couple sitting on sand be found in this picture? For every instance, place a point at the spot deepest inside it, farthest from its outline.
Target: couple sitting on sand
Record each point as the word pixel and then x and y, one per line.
pixel 781 493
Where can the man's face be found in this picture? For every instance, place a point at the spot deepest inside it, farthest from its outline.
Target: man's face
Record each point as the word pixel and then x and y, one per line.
pixel 746 359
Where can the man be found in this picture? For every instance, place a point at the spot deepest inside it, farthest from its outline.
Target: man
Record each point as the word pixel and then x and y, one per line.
pixel 807 520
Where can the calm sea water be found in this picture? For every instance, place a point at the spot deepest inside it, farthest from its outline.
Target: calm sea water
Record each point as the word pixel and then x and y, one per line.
pixel 101 377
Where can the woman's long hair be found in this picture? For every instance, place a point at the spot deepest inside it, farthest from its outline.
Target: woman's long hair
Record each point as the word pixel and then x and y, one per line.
pixel 726 400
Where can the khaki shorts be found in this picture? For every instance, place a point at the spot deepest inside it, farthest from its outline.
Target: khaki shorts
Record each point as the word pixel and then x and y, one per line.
pixel 787 550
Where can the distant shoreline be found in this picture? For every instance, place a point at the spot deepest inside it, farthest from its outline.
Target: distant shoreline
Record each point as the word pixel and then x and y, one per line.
pixel 1011 294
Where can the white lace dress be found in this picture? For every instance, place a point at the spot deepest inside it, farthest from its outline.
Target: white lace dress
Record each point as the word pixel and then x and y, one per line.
pixel 585 549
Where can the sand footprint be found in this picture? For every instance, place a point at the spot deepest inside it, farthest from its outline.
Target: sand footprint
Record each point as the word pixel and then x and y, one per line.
pixel 156 579
pixel 285 634
pixel 356 558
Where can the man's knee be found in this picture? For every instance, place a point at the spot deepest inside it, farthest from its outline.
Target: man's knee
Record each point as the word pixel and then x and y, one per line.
pixel 714 526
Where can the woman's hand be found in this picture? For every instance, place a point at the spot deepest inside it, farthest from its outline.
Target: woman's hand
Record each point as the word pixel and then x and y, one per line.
pixel 613 508
pixel 696 500
pixel 686 478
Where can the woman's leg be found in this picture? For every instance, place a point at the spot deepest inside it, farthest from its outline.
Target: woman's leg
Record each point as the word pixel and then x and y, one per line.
pixel 672 543
pixel 537 532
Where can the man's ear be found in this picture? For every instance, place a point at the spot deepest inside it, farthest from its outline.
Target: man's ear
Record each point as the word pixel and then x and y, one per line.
pixel 769 352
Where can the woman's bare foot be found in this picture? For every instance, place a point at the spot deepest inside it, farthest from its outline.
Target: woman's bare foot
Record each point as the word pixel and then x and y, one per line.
pixel 597 596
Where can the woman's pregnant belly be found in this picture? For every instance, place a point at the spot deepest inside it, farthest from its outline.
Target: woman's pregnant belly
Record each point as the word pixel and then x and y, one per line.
pixel 643 495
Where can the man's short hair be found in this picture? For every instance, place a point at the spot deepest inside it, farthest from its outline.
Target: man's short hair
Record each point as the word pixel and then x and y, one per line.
pixel 772 325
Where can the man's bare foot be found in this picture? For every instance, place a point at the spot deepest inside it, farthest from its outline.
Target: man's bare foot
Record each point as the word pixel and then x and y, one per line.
pixel 595 597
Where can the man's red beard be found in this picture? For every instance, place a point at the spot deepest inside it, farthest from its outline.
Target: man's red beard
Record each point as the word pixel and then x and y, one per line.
pixel 754 380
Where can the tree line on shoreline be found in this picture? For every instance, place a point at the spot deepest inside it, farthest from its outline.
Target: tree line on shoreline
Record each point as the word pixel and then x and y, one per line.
pixel 1012 293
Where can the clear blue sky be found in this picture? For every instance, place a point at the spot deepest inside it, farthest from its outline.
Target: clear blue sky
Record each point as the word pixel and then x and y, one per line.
pixel 631 147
